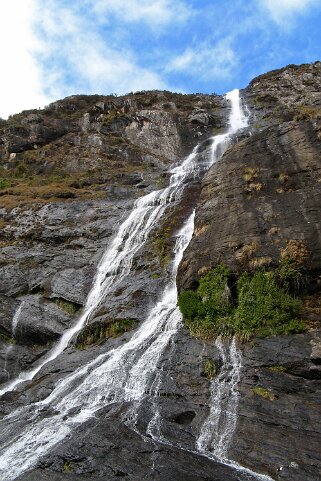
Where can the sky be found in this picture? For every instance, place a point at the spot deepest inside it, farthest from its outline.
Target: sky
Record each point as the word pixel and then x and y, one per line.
pixel 54 48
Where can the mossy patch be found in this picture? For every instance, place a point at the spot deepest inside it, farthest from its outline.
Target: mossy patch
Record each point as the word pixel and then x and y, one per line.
pixel 277 368
pixel 162 248
pixel 6 338
pixel 70 307
pixel 98 332
pixel 264 393
pixel 259 306
pixel 209 369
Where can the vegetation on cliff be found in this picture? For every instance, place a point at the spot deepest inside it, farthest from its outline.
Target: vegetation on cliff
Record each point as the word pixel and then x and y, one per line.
pixel 261 304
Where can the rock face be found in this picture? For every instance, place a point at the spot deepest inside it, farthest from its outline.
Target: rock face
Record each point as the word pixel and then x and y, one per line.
pixel 262 195
pixel 69 175
pixel 261 200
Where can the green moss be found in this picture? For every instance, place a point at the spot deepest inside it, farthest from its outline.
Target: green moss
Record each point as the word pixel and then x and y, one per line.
pixel 162 250
pixel 262 307
pixel 4 337
pixel 100 331
pixel 155 275
pixel 68 467
pixel 67 306
pixel 277 368
pixel 209 369
pixel 4 183
pixel 264 393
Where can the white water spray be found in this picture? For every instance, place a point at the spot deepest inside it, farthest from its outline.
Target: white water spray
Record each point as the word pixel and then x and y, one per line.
pixel 117 260
pixel 16 318
pixel 218 429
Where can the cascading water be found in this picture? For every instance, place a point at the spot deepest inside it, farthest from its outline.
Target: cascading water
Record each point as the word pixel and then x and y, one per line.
pixel 14 326
pixel 217 431
pixel 117 260
pixel 127 372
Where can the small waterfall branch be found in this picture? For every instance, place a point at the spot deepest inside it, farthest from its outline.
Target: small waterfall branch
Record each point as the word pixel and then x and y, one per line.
pixel 218 429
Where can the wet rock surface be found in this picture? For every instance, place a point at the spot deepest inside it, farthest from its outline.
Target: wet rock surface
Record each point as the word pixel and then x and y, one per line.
pixel 279 427
pixel 263 193
pixel 260 198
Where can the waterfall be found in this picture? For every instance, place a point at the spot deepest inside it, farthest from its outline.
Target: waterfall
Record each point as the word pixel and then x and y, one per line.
pixel 128 371
pixel 14 326
pixel 218 429
pixel 117 260
pixel 15 320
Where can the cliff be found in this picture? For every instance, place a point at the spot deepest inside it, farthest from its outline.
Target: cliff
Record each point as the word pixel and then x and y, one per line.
pixel 258 203
pixel 69 177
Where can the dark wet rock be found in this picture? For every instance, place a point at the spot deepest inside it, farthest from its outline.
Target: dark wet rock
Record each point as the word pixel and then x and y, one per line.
pixel 262 194
pixel 40 321
pixel 261 197
pixel 71 284
pixel 280 433
pixel 144 459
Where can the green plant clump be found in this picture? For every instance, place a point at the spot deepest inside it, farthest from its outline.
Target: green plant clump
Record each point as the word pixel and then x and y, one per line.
pixel 207 311
pixel 209 369
pixel 277 368
pixel 4 183
pixel 67 306
pixel 264 307
pixel 99 332
pixel 264 393
pixel 261 307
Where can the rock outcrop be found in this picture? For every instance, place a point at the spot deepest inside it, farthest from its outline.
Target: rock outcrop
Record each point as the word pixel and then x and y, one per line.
pixel 259 203
pixel 68 175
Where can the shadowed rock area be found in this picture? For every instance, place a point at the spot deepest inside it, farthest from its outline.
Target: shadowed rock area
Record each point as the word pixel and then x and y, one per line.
pixel 257 203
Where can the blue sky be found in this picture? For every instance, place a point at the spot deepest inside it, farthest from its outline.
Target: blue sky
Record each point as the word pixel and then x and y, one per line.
pixel 54 48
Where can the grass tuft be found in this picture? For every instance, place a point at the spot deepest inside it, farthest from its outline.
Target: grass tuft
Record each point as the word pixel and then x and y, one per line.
pixel 264 393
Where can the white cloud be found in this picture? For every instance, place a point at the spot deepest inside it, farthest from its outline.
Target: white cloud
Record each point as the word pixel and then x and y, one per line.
pixel 21 79
pixel 206 61
pixel 111 71
pixel 91 64
pixel 152 12
pixel 52 49
pixel 280 10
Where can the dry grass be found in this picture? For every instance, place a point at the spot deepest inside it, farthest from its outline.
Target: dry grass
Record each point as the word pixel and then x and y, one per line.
pixel 246 251
pixel 201 230
pixel 283 178
pixel 295 251
pixel 203 270
pixel 258 262
pixel 250 174
pixel 274 230
pixel 305 112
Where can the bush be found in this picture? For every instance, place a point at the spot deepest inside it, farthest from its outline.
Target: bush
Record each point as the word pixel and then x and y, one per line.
pixel 4 183
pixel 206 311
pixel 263 307
pixel 290 276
